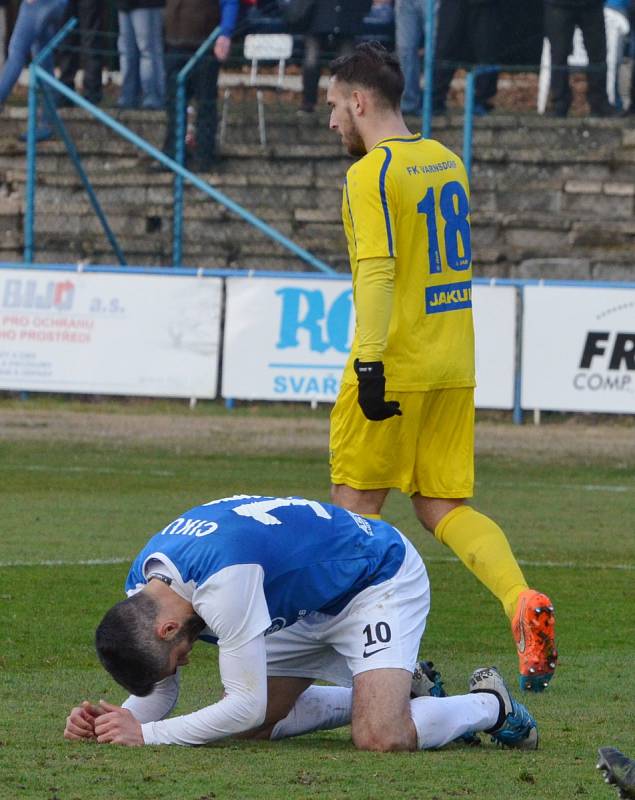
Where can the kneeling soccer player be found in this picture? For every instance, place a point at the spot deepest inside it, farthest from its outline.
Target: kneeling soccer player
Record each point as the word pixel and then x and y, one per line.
pixel 291 591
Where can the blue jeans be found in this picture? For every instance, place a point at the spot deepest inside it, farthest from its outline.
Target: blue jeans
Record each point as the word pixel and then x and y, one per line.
pixel 140 45
pixel 409 32
pixel 37 22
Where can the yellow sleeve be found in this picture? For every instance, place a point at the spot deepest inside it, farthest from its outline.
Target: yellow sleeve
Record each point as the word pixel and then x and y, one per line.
pixel 371 206
pixel 373 306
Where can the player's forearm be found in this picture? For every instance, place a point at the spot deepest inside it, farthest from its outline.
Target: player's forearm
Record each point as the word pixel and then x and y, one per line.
pixel 373 306
pixel 243 673
pixel 158 704
pixel 230 716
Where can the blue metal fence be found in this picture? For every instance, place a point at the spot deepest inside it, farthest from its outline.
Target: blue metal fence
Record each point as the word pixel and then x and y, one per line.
pixel 40 78
pixel 518 284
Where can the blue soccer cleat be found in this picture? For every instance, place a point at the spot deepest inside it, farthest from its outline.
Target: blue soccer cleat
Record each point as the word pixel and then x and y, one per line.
pixel 426 682
pixel 517 728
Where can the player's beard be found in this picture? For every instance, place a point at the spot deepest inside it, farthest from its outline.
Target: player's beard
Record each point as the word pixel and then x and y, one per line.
pixel 352 138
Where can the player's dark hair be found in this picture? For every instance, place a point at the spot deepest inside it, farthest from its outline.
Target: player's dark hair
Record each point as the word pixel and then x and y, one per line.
pixel 372 66
pixel 128 647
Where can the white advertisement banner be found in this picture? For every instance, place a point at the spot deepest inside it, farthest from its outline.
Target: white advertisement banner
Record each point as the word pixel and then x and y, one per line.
pixel 109 334
pixel 494 309
pixel 286 339
pixel 289 339
pixel 578 349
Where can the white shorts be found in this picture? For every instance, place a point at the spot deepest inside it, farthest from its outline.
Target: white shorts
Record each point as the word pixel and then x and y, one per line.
pixel 380 628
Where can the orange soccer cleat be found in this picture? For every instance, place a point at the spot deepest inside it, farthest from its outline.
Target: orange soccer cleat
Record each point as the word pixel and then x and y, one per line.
pixel 533 627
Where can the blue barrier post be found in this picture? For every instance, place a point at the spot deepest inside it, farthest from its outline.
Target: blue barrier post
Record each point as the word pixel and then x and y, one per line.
pixel 428 67
pixel 29 212
pixel 517 412
pixel 468 123
pixel 77 163
pixel 179 154
pixel 204 187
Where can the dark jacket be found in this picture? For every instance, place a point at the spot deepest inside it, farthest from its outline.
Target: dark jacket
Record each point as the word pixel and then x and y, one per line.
pixel 575 3
pixel 338 17
pixel 132 5
pixel 189 22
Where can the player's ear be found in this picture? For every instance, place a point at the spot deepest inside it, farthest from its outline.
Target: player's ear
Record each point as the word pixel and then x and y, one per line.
pixel 167 629
pixel 358 102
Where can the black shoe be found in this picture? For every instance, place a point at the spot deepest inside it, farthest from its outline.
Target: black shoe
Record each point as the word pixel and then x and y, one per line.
pixel 207 164
pixel 557 113
pixel 154 166
pixel 605 110
pixel 618 770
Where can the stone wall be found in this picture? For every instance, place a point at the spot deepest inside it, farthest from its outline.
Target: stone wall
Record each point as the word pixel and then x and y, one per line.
pixel 550 198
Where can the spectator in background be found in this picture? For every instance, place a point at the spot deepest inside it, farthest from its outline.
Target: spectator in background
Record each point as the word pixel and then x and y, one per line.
pixel 332 27
pixel 561 19
pixel 36 24
pixel 140 46
pixel 409 32
pixel 83 47
pixel 3 29
pixel 630 111
pixel 467 31
pixel 187 24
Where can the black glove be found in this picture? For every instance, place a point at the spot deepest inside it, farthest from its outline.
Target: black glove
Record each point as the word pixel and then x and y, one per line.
pixel 370 391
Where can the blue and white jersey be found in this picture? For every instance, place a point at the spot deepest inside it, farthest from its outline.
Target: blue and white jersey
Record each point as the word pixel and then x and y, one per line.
pixel 251 564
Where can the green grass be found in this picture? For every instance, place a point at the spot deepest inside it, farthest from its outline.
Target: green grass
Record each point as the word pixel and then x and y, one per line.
pixel 75 503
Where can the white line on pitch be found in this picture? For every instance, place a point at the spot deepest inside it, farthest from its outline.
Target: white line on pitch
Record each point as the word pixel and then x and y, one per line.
pixel 164 473
pixel 88 562
pixel 100 470
pixel 528 563
pixel 584 487
pixel 96 562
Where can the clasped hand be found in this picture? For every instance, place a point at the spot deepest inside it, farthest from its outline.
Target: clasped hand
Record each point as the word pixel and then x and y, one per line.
pixel 103 723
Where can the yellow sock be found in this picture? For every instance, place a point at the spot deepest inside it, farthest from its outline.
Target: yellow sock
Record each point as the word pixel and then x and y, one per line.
pixel 483 548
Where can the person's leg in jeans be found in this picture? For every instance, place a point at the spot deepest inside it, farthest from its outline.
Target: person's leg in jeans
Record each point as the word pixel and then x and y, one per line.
pixel 22 38
pixel 49 19
pixel 128 62
pixel 310 72
pixel 559 28
pixel 205 84
pixel 591 22
pixel 3 33
pixel 34 27
pixel 409 25
pixel 148 26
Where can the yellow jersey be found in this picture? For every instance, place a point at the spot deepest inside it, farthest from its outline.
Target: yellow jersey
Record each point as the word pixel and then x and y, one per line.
pixel 408 199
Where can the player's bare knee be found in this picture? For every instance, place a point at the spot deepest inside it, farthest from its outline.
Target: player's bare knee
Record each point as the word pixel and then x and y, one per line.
pixel 382 740
pixel 424 519
pixel 431 510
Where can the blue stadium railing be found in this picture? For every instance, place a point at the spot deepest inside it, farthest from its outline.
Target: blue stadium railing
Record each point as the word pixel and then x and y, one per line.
pixel 41 80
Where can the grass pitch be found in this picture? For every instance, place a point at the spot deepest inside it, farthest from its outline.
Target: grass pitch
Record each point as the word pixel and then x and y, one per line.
pixel 67 502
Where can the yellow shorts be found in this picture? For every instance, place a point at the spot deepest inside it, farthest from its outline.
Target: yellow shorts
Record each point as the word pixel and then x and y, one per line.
pixel 428 450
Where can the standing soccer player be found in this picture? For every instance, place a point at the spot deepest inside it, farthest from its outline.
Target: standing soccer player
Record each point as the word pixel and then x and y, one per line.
pixel 404 417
